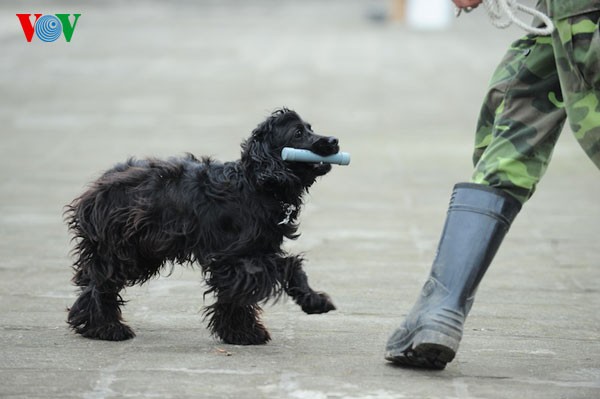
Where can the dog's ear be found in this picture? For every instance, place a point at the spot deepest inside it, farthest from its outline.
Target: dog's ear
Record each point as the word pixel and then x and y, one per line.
pixel 267 128
pixel 263 130
pixel 264 163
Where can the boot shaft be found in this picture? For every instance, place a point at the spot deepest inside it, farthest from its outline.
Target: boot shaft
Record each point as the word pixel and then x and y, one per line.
pixel 477 221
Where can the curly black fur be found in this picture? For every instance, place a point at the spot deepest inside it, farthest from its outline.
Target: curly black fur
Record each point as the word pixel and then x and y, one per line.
pixel 226 217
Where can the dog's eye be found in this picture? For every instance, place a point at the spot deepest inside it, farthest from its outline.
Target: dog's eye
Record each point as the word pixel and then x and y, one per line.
pixel 299 133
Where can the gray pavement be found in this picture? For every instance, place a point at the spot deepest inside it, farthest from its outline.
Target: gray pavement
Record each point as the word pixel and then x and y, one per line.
pixel 158 79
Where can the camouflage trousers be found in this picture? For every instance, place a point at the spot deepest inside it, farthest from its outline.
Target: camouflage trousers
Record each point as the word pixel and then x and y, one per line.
pixel 540 83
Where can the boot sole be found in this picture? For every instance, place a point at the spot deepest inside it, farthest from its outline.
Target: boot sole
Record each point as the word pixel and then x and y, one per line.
pixel 429 349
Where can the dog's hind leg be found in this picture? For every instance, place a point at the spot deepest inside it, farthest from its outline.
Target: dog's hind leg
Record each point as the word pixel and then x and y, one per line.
pixel 96 313
pixel 296 285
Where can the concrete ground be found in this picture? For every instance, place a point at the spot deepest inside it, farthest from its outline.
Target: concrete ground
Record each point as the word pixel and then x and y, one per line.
pixel 157 79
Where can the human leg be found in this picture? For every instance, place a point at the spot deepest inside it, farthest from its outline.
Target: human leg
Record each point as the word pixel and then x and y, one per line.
pixel 519 124
pixel 521 119
pixel 577 50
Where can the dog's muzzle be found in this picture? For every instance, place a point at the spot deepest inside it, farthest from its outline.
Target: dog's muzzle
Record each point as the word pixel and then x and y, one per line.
pixel 326 146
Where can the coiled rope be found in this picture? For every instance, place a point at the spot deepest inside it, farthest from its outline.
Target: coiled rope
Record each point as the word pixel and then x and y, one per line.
pixel 502 14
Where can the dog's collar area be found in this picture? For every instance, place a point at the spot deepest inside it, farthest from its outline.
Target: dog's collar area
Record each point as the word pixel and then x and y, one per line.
pixel 288 209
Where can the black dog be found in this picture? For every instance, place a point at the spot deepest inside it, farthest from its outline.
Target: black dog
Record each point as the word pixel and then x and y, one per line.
pixel 231 218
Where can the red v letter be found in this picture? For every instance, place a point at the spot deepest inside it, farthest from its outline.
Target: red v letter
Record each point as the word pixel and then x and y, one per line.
pixel 27 25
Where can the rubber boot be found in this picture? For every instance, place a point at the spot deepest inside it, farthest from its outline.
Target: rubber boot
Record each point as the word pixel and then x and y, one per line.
pixel 477 221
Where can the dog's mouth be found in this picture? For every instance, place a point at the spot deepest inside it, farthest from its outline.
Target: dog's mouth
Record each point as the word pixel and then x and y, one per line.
pixel 320 168
pixel 322 146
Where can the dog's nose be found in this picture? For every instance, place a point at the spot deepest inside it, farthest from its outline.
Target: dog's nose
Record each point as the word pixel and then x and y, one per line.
pixel 332 140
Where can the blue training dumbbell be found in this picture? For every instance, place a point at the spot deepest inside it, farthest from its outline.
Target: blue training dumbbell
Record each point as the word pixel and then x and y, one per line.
pixel 297 155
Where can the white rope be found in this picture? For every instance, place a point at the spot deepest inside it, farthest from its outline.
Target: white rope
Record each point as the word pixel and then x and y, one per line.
pixel 502 14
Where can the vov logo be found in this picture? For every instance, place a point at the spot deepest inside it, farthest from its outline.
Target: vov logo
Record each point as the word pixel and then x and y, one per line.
pixel 48 28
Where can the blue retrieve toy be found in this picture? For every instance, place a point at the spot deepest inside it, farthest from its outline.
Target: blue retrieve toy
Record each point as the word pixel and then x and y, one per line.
pixel 297 155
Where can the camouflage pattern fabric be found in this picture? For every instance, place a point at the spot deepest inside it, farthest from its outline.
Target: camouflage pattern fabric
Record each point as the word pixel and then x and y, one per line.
pixel 559 9
pixel 540 82
pixel 577 51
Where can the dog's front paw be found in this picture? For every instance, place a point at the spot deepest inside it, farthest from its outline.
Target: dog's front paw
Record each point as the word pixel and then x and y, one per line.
pixel 256 336
pixel 110 332
pixel 317 302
